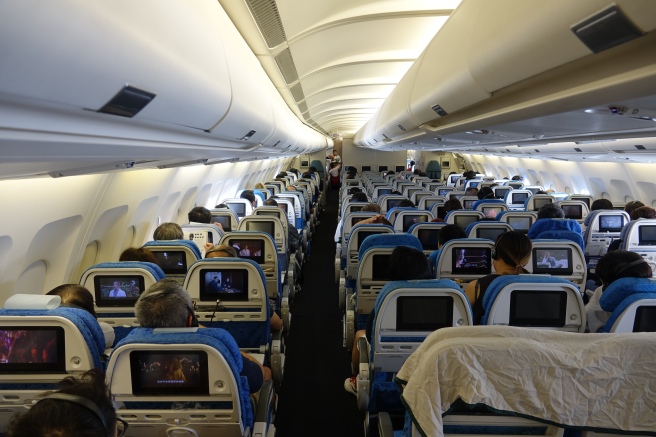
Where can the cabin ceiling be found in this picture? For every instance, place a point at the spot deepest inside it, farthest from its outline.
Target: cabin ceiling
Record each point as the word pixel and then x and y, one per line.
pixel 335 62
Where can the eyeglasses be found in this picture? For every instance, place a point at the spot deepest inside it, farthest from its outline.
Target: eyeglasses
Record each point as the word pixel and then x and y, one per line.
pixel 121 427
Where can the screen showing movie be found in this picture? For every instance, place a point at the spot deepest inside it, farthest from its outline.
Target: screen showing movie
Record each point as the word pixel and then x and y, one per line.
pixel 552 261
pixel 393 203
pixel 471 260
pixel 540 202
pixel 474 184
pixel 491 211
pixel 423 313
pixel 411 219
pixel 534 308
pixel 645 319
pixel 267 227
pixel 380 268
pixel 455 195
pixel 521 224
pixel 223 284
pixel 518 198
pixel 464 220
pixel 647 235
pixel 173 262
pixel 384 191
pixel 454 178
pixel 166 373
pixel 443 192
pixel 500 193
pixel 269 213
pixel 428 238
pixel 574 212
pixel 32 349
pixel 468 203
pixel 224 221
pixel 249 249
pixel 238 208
pixel 611 223
pixel 117 290
pixel 490 233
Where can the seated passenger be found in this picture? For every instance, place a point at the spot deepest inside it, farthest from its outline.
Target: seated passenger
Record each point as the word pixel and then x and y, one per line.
pixel 76 296
pixel 485 193
pixel 406 203
pixel 170 307
pixel 81 408
pixel 636 213
pixel 448 233
pixel 201 215
pixel 168 231
pixel 551 210
pixel 511 253
pixel 138 254
pixel 601 204
pixel 250 196
pixel 450 205
pixel 293 237
pixel 611 267
pixel 472 191
pixel 225 251
pixel 405 263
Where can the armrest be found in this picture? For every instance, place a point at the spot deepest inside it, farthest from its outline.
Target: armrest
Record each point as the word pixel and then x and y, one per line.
pixel 363 347
pixel 385 425
pixel 263 411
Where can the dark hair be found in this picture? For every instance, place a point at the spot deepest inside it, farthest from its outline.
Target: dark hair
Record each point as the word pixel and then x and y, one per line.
pixel 469 174
pixel 371 207
pixel 412 163
pixel 312 169
pixel 485 193
pixel 621 264
pixel 472 191
pixel 405 203
pixel 517 178
pixel 452 205
pixel 281 175
pixel 222 248
pixel 353 190
pixel 359 197
pixel 221 206
pixel 551 210
pixel 200 214
pixel 450 232
pixel 601 204
pixel 540 192
pixel 643 212
pixel 391 172
pixel 634 204
pixel 407 263
pixel 139 254
pixel 248 195
pixel 513 248
pixel 74 294
pixel 59 417
pixel 270 202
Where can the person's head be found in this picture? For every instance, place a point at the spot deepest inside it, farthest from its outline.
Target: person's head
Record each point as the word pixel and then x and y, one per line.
pixel 200 214
pixel 260 186
pixel 406 263
pixel 81 407
pixel 221 251
pixel 168 231
pixel 391 172
pixel 139 254
pixel 334 151
pixel 270 202
pixel 312 169
pixel 540 192
pixel 333 164
pixel 601 204
pixel 117 285
pixel 248 195
pixel 359 197
pixel 471 191
pixel 281 175
pixel 551 210
pixel 417 171
pixel 517 178
pixel 452 205
pixel 354 190
pixel 221 206
pixel 165 304
pixel 74 295
pixel 621 264
pixel 412 163
pixel 469 174
pixel 371 207
pixel 485 193
pixel 634 204
pixel 406 203
pixel 643 212
pixel 513 249
pixel 448 233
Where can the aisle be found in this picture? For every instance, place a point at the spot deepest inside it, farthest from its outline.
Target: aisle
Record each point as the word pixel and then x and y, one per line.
pixel 312 399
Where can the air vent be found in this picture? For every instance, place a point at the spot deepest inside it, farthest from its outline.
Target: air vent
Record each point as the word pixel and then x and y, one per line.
pixel 439 111
pixel 536 151
pixel 619 151
pixel 297 92
pixel 606 29
pixel 386 137
pixel 277 142
pixel 640 147
pixel 286 65
pixel 128 102
pixel 401 127
pixel 268 20
pixel 577 149
pixel 248 135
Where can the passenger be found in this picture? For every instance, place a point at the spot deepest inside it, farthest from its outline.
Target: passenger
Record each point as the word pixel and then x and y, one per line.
pixel 82 408
pixel 541 192
pixel 168 231
pixel 517 178
pixel 406 203
pixel 371 207
pixel 405 263
pixel 448 233
pixel 551 210
pixel 511 253
pixel 334 174
pixel 485 193
pixel 469 174
pixel 172 308
pixel 377 219
pixel 411 166
pixel 611 267
pixel 293 237
pixel 471 191
pixel 601 204
pixel 260 186
pixel 639 212
pixel 138 254
pixel 450 205
pixel 200 215
pixel 359 196
pixel 336 157
pixel 634 204
pixel 76 296
pixel 221 251
pixel 250 196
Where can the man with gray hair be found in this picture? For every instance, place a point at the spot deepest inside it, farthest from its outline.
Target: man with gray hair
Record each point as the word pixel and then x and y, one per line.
pixel 168 231
pixel 167 305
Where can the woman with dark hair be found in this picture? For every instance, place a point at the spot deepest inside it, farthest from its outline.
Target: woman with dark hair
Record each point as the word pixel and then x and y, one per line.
pixel 511 253
pixel 82 408
pixel 138 254
pixel 611 267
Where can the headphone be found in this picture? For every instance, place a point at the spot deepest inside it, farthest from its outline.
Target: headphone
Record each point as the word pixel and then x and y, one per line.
pixel 631 264
pixel 82 402
pixel 194 318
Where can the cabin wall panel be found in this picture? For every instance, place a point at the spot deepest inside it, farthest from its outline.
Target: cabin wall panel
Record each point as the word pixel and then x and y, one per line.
pixel 358 156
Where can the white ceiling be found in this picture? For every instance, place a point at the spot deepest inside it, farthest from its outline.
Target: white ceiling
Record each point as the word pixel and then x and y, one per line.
pixel 348 55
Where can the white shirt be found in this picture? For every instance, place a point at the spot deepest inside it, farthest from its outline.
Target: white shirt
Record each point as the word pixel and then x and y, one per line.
pixel 595 315
pixel 117 293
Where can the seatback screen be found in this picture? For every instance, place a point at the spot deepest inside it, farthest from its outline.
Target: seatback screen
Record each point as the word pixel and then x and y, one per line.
pixel 167 373
pixel 117 290
pixel 518 198
pixel 464 220
pixel 538 308
pixel 238 208
pixel 224 221
pixel 380 269
pixel 428 238
pixel 573 211
pixel 645 319
pixel 173 262
pixel 364 234
pixel 266 227
pixel 249 248
pixel 223 284
pixel 32 349
pixel 490 233
pixel 520 223
pixel 556 261
pixel 611 223
pixel 540 202
pixel 393 203
pixel 423 313
pixel 471 260
pixel 411 219
pixel 647 235
pixel 384 191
